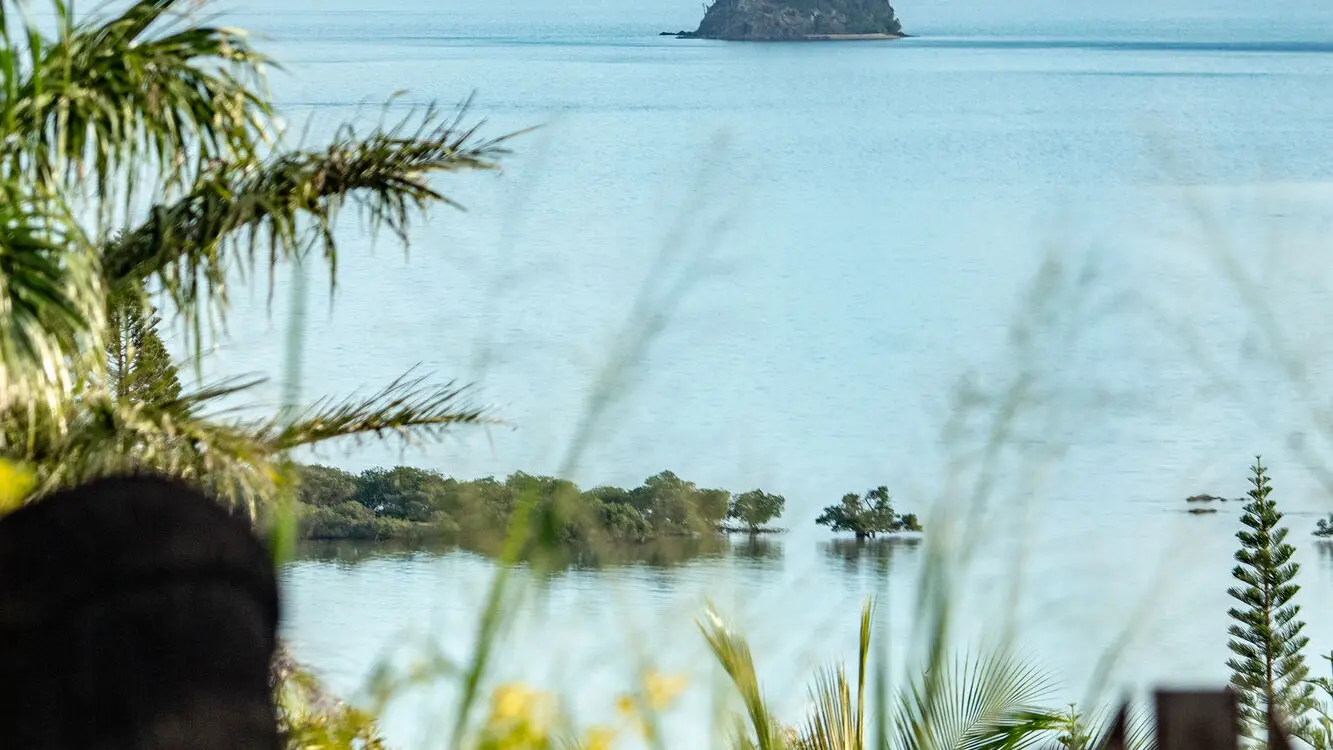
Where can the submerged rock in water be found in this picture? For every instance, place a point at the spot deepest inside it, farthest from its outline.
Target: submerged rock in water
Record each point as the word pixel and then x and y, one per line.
pixel 797 20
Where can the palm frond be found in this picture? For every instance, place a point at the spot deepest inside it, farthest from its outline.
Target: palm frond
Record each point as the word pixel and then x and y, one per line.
pixel 85 114
pixel 831 725
pixel 192 437
pixel 277 209
pixel 733 653
pixel 1140 729
pixel 838 719
pixel 50 300
pixel 984 702
pixel 110 436
pixel 111 95
pixel 409 408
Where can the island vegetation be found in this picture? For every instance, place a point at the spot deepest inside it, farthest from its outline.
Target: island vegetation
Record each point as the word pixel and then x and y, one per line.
pixel 797 20
pixel 868 515
pixel 1324 527
pixel 408 502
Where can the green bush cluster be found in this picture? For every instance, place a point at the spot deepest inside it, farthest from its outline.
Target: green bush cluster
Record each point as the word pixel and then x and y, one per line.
pixel 867 515
pixel 352 520
pixel 408 502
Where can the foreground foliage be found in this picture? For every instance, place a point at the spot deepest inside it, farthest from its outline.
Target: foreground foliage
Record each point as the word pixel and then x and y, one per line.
pixel 309 717
pixel 142 170
pixel 973 702
pixel 154 107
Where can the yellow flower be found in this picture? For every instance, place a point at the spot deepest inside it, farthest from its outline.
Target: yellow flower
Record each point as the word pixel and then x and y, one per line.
pixel 599 738
pixel 662 690
pixel 511 701
pixel 520 719
pixel 625 705
pixel 15 484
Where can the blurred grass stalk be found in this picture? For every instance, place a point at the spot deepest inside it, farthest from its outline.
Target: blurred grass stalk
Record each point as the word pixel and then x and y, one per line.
pixel 284 531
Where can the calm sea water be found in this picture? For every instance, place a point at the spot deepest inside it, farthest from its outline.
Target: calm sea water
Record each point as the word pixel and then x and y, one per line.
pixel 856 226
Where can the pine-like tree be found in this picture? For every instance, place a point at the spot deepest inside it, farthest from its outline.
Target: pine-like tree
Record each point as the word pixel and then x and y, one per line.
pixel 1268 668
pixel 138 364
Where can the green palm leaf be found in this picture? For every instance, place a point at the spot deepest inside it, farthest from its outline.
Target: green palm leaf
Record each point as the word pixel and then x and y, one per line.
pixel 733 653
pixel 84 116
pixel 838 719
pixel 409 408
pixel 1140 729
pixel 50 300
pixel 240 212
pixel 154 103
pixel 150 85
pixel 191 436
pixel 982 702
pixel 978 702
pixel 109 436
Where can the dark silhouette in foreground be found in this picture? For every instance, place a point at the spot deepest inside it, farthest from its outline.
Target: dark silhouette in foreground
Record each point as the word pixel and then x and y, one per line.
pixel 135 612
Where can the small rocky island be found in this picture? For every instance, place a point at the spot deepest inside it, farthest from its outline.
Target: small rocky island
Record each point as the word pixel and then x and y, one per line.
pixel 797 20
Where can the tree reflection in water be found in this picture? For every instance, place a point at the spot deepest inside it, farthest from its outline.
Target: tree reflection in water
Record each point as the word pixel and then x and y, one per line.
pixel 876 554
pixel 759 551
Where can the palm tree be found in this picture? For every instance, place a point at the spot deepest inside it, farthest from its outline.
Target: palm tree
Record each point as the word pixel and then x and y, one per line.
pixel 985 701
pixel 155 107
pixel 988 701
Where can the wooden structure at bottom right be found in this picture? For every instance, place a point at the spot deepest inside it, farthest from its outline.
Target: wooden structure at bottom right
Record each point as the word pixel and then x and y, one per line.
pixel 1195 720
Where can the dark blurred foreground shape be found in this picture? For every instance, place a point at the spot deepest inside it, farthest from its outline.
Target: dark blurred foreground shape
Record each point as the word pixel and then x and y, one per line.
pixel 1194 720
pixel 135 612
